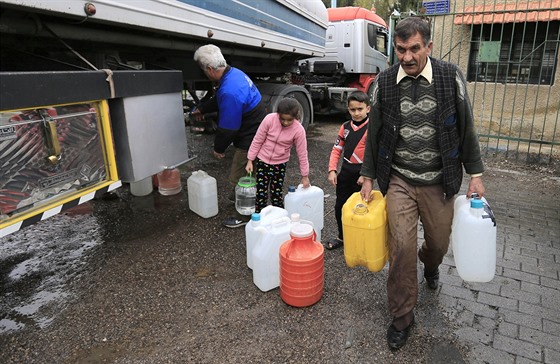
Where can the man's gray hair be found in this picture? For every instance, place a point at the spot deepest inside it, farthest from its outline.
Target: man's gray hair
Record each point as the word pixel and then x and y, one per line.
pixel 408 27
pixel 210 56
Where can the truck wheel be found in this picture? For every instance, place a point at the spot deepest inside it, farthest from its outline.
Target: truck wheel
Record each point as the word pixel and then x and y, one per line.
pixel 305 107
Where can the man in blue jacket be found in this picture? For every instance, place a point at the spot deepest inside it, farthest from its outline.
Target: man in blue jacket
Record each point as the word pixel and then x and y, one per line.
pixel 240 111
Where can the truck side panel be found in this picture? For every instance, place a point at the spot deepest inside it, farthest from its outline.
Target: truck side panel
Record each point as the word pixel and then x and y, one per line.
pixel 54 156
pixel 271 28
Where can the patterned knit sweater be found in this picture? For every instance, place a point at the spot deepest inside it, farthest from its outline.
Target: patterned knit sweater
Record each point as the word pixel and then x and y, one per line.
pixel 457 141
pixel 417 157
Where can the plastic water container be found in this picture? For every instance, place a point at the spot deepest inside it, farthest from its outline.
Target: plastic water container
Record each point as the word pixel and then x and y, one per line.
pixel 473 238
pixel 309 203
pixel 141 188
pixel 263 220
pixel 169 182
pixel 365 231
pixel 245 195
pixel 203 194
pixel 266 266
pixel 302 267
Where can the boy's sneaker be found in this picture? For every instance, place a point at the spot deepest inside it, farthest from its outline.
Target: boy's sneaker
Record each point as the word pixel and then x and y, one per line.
pixel 233 222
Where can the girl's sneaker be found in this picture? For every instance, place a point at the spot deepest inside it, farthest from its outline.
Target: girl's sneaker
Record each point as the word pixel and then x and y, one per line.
pixel 233 222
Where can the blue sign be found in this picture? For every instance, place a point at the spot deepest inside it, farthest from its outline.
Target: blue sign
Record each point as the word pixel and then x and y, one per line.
pixel 436 7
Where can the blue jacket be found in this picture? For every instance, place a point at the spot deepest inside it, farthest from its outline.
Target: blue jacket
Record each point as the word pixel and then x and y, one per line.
pixel 240 110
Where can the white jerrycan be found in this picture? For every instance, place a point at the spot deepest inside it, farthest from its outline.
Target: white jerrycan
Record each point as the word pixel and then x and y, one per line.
pixel 473 238
pixel 203 194
pixel 262 219
pixel 266 254
pixel 309 203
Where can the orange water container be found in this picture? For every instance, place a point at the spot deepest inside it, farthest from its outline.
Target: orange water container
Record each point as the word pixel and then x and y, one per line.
pixel 365 231
pixel 302 267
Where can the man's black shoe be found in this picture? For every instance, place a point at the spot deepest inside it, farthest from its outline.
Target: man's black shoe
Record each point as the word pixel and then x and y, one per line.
pixel 395 338
pixel 432 279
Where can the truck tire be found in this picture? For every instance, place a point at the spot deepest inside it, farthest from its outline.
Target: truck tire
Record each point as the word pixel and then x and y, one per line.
pixel 305 107
pixel 272 93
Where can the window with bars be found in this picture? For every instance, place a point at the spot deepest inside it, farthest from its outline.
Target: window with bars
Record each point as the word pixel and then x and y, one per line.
pixel 514 52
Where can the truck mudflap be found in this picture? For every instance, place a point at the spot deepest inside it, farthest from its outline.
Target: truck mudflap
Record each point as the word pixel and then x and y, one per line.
pixel 53 158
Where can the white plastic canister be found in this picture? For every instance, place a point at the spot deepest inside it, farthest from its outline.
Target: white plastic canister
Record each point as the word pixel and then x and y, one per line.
pixel 266 254
pixel 473 238
pixel 309 203
pixel 262 219
pixel 141 188
pixel 203 194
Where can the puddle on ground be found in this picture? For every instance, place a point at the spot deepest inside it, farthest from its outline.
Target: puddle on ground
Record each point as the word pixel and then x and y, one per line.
pixel 36 265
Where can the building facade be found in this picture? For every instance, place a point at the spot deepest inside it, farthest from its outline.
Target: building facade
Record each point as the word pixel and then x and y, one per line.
pixel 509 53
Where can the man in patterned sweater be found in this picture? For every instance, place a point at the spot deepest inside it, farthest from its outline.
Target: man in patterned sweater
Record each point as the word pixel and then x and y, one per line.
pixel 421 134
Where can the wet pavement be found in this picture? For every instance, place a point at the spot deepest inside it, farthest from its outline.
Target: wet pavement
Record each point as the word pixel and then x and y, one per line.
pixel 144 280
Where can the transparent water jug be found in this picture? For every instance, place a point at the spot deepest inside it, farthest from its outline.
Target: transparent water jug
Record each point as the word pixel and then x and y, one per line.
pixel 169 182
pixel 245 195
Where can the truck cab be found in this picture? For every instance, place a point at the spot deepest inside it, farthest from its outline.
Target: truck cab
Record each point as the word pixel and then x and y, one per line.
pixel 356 51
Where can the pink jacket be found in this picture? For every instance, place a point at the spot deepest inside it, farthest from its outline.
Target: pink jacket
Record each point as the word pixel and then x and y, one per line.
pixel 273 142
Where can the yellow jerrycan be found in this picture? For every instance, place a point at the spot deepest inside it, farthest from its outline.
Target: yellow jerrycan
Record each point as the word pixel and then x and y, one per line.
pixel 365 231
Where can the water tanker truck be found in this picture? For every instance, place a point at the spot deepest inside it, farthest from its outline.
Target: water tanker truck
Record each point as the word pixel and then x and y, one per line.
pixel 92 93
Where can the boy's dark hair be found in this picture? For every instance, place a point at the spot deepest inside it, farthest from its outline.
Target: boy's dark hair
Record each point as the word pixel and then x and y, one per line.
pixel 408 27
pixel 359 96
pixel 289 106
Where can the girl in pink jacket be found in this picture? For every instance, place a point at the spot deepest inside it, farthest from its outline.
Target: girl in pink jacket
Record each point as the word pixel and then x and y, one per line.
pixel 270 151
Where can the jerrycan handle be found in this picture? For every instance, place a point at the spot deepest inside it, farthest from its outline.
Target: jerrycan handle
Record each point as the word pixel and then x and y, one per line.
pixel 374 194
pixel 487 209
pixel 300 186
pixel 361 207
pixel 266 211
pixel 279 222
pixel 247 181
